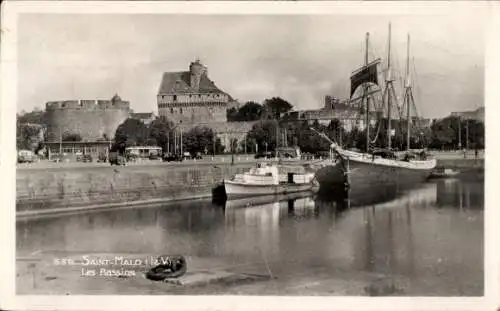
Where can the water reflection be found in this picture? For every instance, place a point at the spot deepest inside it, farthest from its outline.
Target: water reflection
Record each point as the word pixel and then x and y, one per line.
pixel 456 193
pixel 413 235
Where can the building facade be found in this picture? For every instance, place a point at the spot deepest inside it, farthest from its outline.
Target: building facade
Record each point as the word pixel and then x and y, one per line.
pixel 477 114
pixel 191 97
pixel 225 131
pixel 69 149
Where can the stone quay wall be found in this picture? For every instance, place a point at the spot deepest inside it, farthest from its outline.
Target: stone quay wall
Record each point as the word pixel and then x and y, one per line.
pixel 461 163
pixel 80 187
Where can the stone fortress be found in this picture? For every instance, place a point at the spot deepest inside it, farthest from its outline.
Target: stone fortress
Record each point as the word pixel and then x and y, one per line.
pixel 95 121
pixel 91 119
pixel 186 98
pixel 190 98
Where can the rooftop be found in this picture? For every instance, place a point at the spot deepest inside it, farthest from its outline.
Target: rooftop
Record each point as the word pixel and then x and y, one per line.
pixel 179 82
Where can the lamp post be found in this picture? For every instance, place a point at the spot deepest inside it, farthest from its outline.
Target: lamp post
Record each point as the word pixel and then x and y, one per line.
pixel 168 142
pixel 175 139
pixel 182 154
pixel 60 142
pixel 459 133
pixel 467 134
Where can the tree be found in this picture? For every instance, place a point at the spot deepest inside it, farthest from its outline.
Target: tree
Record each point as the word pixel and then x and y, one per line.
pixel 250 111
pixel 68 136
pixel 335 131
pixel 250 144
pixel 219 147
pixel 131 132
pixel 445 133
pixel 275 107
pixel 311 141
pixel 160 131
pixel 28 137
pixel 475 133
pixel 355 138
pixel 263 133
pixel 232 114
pixel 197 139
pixel 34 117
pixel 234 145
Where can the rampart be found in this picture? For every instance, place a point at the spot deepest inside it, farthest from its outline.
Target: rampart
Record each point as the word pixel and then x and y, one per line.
pixel 91 119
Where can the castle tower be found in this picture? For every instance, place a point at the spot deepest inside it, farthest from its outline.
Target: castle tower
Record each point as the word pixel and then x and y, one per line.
pixel 116 99
pixel 197 70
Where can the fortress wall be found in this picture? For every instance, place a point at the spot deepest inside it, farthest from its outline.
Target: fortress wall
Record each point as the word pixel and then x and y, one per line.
pixel 91 119
pixel 195 113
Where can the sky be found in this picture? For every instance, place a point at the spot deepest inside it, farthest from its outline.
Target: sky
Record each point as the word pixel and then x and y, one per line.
pixel 300 58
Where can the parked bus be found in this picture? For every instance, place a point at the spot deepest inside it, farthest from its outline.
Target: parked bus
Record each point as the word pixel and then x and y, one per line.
pixel 143 152
pixel 25 156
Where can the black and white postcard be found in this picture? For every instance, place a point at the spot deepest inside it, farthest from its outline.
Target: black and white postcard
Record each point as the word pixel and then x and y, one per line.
pixel 249 155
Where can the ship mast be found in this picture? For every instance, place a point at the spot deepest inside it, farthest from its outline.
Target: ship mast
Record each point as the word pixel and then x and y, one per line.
pixel 408 98
pixel 408 90
pixel 365 95
pixel 388 90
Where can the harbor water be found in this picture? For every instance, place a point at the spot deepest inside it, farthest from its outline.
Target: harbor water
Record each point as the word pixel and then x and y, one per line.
pixel 426 241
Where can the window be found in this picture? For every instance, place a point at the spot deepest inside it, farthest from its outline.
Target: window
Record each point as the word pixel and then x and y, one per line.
pixel 171 110
pixel 181 110
pixel 175 97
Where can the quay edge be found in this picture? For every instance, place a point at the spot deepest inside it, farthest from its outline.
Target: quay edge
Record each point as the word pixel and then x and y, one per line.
pixel 62 189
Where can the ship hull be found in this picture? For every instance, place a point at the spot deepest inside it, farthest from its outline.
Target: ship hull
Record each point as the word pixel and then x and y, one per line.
pixel 365 182
pixel 240 190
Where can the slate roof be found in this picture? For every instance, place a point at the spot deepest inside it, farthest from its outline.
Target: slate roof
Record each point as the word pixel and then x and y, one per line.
pixel 179 83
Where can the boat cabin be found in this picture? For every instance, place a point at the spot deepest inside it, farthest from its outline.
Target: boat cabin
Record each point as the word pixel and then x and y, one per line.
pixel 384 154
pixel 266 174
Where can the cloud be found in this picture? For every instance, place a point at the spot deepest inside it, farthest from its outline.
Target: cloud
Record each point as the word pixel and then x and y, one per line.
pixel 300 58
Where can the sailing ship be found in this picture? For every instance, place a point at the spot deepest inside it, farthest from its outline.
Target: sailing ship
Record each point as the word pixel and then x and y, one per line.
pixel 387 169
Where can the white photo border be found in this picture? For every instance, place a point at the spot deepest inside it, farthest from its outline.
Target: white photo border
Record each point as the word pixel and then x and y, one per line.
pixel 11 10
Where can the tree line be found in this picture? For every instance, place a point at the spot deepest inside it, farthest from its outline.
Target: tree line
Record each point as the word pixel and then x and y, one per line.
pixel 443 134
pixel 269 132
pixel 163 133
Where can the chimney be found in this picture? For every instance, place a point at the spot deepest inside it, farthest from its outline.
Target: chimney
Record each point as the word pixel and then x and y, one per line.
pixel 197 70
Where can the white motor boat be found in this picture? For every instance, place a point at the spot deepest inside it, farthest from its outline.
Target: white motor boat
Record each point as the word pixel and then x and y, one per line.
pixel 266 179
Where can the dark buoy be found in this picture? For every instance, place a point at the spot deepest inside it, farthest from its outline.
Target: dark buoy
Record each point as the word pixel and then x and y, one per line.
pixel 168 267
pixel 219 196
